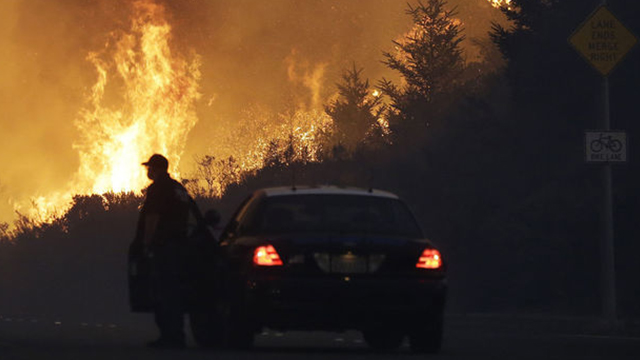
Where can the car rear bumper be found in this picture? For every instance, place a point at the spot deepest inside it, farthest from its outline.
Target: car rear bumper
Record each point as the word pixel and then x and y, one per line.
pixel 342 302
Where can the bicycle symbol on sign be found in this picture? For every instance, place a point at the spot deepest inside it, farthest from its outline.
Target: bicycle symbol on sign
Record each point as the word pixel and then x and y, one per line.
pixel 605 142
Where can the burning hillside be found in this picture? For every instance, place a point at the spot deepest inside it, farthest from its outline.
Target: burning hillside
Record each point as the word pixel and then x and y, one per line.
pixel 95 88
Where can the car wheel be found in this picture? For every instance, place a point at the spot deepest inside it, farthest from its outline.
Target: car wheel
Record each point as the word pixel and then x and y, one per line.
pixel 237 332
pixel 427 337
pixel 383 340
pixel 206 328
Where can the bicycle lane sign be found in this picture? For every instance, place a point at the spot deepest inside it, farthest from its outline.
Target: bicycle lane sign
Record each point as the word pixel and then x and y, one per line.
pixel 605 146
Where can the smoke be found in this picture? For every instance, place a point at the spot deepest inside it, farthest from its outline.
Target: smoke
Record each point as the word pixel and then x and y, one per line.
pixel 277 54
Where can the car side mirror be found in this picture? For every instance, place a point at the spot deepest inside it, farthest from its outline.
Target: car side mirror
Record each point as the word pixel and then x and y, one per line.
pixel 212 217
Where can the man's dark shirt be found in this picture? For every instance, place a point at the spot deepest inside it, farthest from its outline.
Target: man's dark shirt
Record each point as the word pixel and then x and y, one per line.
pixel 168 199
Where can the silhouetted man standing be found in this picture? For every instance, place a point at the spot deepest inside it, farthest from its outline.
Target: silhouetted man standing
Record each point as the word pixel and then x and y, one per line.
pixel 163 219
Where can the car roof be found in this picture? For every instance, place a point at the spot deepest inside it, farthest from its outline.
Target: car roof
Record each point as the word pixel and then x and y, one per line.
pixel 325 190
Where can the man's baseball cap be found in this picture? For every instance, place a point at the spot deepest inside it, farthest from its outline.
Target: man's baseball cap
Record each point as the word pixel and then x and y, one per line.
pixel 157 161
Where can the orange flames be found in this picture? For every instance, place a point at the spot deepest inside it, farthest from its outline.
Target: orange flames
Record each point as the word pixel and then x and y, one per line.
pixel 259 136
pixel 500 3
pixel 144 88
pixel 143 102
pixel 155 112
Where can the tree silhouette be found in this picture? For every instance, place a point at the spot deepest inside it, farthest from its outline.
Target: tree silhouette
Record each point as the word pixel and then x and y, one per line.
pixel 4 232
pixel 213 175
pixel 429 57
pixel 356 111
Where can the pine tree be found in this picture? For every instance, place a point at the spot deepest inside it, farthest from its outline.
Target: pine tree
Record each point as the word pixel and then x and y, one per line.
pixel 355 112
pixel 429 58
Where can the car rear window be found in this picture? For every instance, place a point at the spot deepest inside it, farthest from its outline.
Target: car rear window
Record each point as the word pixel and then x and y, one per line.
pixel 352 214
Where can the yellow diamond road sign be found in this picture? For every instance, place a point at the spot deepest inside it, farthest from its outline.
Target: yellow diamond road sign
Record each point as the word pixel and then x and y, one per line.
pixel 603 40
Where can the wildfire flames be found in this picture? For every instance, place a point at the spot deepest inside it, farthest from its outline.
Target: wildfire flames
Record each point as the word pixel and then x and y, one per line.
pixel 500 3
pixel 146 88
pixel 155 112
pixel 143 102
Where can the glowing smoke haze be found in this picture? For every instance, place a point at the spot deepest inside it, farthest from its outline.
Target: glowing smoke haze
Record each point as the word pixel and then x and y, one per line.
pixel 232 64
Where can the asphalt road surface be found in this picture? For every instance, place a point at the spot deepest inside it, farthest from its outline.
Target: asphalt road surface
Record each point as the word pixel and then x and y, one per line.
pixel 466 337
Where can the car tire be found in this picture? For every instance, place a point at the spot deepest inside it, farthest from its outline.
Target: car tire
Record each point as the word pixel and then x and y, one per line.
pixel 237 332
pixel 206 329
pixel 426 337
pixel 383 340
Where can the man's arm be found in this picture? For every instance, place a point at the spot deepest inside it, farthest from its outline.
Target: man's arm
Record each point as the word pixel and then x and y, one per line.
pixel 150 227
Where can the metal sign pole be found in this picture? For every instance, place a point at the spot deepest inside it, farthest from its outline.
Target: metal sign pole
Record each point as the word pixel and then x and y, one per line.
pixel 608 281
pixel 603 41
pixel 608 250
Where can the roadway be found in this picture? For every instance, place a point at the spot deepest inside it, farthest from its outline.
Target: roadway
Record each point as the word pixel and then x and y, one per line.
pixel 466 337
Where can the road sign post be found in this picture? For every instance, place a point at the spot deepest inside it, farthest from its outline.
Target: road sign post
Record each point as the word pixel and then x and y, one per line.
pixel 603 42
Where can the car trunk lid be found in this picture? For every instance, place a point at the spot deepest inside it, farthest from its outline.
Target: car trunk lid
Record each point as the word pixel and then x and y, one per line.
pixel 347 254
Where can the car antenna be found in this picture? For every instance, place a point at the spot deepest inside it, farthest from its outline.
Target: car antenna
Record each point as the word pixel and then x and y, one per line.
pixel 370 181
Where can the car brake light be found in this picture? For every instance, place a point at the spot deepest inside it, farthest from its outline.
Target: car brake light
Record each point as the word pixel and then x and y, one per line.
pixel 430 259
pixel 266 256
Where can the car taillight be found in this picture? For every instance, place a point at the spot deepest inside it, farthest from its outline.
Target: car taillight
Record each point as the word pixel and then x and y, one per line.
pixel 430 259
pixel 266 256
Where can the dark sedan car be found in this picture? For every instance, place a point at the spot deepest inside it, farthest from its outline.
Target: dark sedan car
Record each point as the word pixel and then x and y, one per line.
pixel 325 258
